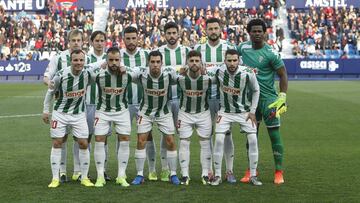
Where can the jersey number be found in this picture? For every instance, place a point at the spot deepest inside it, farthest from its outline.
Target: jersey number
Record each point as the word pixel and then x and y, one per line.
pixel 139 119
pixel 218 119
pixel 178 124
pixel 53 124
pixel 96 120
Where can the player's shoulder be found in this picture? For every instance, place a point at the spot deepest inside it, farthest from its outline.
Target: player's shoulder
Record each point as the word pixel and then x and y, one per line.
pixel 246 69
pixel 245 45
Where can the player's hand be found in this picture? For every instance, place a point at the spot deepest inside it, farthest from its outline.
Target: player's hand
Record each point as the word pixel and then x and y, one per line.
pixel 122 70
pixel 279 105
pixel 51 85
pixel 252 118
pixel 103 65
pixel 203 69
pixel 45 118
pixel 182 70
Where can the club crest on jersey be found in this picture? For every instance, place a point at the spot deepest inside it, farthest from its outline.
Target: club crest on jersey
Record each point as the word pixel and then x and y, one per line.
pixel 156 93
pixel 261 58
pixel 194 93
pixel 73 94
pixel 230 90
pixel 115 91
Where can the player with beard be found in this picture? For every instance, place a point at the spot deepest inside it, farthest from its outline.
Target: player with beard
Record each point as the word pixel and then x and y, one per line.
pixel 112 108
pixel 213 54
pixel 174 55
pixel 155 80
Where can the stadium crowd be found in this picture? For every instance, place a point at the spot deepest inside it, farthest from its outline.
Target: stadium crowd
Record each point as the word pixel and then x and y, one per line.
pixel 38 36
pixel 325 32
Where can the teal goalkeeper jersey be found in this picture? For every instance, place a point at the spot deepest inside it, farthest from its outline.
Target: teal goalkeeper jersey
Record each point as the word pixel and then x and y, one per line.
pixel 266 61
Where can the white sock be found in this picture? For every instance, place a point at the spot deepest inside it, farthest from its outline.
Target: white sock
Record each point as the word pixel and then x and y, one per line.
pixel 253 153
pixel 205 156
pixel 84 157
pixel 229 151
pixel 140 156
pixel 123 158
pixel 171 159
pixel 184 157
pixel 163 153
pixel 218 153
pixel 99 155
pixel 63 158
pixel 106 157
pixel 76 157
pixel 151 155
pixel 55 157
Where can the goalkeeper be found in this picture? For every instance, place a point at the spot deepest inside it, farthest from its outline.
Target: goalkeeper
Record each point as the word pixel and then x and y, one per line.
pixel 267 63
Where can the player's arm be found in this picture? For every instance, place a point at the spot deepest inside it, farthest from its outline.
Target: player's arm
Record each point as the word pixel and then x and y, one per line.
pixel 255 90
pixel 50 70
pixel 280 103
pixel 53 86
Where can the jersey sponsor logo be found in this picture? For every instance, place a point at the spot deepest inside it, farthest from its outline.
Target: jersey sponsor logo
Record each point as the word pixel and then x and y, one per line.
pixel 74 94
pixel 210 65
pixel 156 93
pixel 115 91
pixel 230 90
pixel 194 93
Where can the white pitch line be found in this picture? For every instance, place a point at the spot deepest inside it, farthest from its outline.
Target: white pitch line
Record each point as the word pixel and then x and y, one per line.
pixel 22 96
pixel 20 116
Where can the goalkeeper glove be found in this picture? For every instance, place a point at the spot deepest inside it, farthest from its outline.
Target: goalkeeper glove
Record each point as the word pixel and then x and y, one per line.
pixel 280 104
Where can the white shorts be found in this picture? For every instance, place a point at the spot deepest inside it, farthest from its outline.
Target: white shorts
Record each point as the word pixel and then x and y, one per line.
pixel 200 121
pixel 62 122
pixel 121 120
pixel 224 121
pixel 165 123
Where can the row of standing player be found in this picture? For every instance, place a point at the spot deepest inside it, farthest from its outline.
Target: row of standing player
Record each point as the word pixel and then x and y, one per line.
pixel 177 54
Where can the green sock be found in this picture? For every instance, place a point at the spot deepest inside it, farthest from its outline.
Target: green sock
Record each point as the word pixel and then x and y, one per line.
pixel 277 147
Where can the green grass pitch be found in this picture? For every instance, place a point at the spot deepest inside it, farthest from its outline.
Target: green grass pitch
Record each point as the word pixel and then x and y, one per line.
pixel 320 132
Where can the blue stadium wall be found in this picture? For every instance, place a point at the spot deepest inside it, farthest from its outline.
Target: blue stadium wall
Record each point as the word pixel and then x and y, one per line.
pixel 298 69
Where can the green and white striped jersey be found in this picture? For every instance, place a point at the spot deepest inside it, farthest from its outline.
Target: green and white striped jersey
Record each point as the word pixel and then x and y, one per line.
pixel 138 59
pixel 212 57
pixel 112 90
pixel 155 101
pixel 59 62
pixel 72 90
pixel 92 90
pixel 194 93
pixel 175 58
pixel 239 92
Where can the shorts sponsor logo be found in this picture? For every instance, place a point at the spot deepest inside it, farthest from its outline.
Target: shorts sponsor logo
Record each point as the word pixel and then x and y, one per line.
pixel 74 94
pixel 194 93
pixel 156 93
pixel 115 91
pixel 230 90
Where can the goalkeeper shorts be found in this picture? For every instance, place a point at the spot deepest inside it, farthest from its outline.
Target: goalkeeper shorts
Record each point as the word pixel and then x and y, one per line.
pixel 266 114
